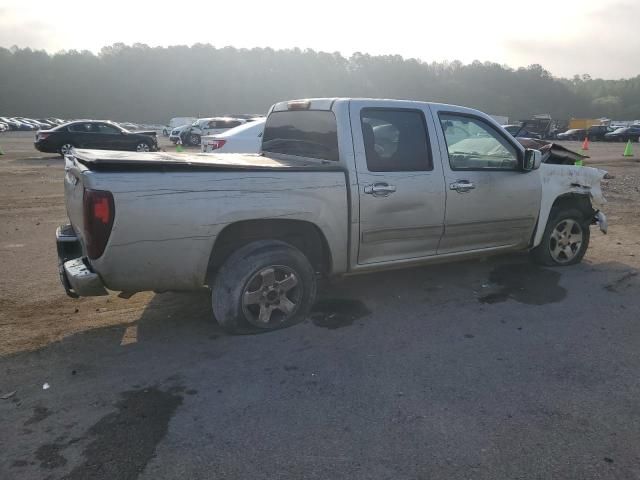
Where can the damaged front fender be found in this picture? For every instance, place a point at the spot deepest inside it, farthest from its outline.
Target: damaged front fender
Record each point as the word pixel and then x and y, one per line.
pixel 559 180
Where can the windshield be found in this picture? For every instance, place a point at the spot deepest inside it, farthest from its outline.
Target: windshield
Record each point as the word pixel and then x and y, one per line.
pixel 304 133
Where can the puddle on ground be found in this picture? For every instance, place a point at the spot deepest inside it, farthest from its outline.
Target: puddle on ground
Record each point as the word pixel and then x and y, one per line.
pixel 335 313
pixel 524 283
pixel 124 441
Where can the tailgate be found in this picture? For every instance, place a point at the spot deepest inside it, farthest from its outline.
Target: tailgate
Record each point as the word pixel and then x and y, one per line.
pixel 73 193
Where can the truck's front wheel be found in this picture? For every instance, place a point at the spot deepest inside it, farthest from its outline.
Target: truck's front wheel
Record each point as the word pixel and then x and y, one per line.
pixel 263 286
pixel 565 239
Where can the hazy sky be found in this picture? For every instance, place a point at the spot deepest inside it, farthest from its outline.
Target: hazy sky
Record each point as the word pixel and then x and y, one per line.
pixel 565 36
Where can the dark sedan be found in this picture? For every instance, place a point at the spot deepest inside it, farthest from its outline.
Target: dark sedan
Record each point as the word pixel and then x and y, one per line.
pixel 573 134
pixel 101 135
pixel 624 134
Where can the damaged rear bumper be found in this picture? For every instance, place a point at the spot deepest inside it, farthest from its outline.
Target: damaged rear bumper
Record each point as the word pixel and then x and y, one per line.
pixel 76 275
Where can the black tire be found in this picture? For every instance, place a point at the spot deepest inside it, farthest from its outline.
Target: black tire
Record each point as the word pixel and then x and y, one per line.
pixel 140 147
pixel 194 139
pixel 235 284
pixel 61 149
pixel 543 255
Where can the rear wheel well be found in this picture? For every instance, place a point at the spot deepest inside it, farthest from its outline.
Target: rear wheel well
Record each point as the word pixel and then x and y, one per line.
pixel 305 236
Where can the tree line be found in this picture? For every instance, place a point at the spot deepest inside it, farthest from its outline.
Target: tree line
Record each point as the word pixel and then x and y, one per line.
pixel 151 84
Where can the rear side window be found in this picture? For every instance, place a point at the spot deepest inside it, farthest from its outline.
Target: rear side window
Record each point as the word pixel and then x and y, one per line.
pixel 108 129
pixel 305 133
pixel 395 140
pixel 80 127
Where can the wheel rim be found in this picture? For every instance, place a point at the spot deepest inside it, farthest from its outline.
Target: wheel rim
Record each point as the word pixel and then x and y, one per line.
pixel 142 147
pixel 195 139
pixel 565 241
pixel 66 148
pixel 272 296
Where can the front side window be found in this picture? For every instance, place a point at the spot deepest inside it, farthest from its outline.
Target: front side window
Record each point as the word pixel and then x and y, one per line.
pixel 473 144
pixel 395 140
pixel 304 133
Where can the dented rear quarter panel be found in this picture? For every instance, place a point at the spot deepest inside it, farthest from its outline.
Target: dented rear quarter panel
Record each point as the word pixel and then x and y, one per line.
pixel 558 180
pixel 166 223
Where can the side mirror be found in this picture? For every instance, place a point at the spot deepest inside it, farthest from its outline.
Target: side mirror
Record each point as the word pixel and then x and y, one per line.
pixel 532 160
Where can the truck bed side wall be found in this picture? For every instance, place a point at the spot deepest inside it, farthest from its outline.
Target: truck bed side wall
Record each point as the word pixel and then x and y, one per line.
pixel 166 223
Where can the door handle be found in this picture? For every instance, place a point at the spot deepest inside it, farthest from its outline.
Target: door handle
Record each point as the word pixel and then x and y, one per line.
pixel 379 189
pixel 461 186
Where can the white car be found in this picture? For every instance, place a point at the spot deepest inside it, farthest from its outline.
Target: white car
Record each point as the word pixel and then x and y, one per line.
pixel 244 138
pixel 208 126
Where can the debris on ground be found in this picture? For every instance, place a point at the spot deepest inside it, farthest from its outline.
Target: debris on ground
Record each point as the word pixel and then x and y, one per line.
pixel 7 396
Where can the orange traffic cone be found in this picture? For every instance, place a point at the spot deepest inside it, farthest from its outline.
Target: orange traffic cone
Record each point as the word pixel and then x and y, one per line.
pixel 585 144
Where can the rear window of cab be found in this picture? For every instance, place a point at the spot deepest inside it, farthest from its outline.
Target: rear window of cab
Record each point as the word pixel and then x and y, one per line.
pixel 303 133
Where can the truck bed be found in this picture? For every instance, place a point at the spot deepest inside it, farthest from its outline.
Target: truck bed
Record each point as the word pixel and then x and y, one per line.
pixel 113 160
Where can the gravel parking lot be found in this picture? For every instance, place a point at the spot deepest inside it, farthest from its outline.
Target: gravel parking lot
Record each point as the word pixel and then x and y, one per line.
pixel 490 369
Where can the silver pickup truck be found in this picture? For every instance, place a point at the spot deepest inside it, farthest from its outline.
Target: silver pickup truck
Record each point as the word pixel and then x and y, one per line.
pixel 342 186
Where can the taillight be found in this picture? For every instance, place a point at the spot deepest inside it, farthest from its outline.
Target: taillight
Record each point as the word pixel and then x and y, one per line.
pixel 41 136
pixel 216 144
pixel 99 212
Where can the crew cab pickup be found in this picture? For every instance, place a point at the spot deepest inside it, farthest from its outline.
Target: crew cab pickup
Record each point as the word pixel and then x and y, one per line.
pixel 341 186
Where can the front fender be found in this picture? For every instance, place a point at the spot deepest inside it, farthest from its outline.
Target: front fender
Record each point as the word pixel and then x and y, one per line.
pixel 559 180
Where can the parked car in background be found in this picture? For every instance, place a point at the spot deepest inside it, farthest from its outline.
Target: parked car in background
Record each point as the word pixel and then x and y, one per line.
pixel 597 133
pixel 98 134
pixel 179 133
pixel 176 122
pixel 47 123
pixel 624 134
pixel 3 127
pixel 343 186
pixel 23 125
pixel 35 123
pixel 573 134
pixel 520 131
pixel 207 126
pixel 10 122
pixel 245 138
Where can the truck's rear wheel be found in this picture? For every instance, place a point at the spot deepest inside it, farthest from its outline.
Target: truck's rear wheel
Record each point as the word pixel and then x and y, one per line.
pixel 263 286
pixel 565 239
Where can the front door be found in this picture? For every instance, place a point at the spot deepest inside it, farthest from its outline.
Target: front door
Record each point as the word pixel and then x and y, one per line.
pixel 491 202
pixel 400 184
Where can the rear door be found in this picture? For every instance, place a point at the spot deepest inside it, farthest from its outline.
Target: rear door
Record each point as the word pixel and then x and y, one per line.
pixel 400 184
pixel 491 203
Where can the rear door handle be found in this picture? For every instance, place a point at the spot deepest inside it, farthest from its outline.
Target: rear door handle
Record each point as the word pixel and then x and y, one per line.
pixel 461 186
pixel 379 189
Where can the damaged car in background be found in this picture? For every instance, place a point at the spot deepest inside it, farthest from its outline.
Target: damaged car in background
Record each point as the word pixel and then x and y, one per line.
pixel 341 187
